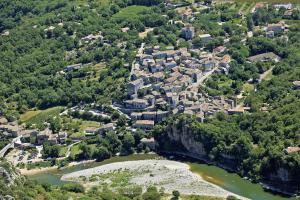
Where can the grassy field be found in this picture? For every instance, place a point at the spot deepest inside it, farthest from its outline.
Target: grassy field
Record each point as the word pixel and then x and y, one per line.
pixel 248 87
pixel 29 114
pixel 85 124
pixel 39 116
pixel 63 151
pixel 98 68
pixel 129 12
pixel 75 149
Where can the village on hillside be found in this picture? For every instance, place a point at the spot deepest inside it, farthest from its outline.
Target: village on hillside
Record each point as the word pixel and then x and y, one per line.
pixel 164 80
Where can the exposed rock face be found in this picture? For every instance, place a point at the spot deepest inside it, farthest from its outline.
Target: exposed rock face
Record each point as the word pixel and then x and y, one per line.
pixel 190 143
pixel 187 138
pixel 6 197
pixel 281 175
pixel 4 174
pixel 9 174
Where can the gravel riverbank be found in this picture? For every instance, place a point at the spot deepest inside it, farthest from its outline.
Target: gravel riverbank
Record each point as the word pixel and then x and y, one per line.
pixel 170 175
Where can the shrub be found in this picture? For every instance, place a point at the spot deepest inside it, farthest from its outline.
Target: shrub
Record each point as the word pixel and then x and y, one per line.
pixel 73 187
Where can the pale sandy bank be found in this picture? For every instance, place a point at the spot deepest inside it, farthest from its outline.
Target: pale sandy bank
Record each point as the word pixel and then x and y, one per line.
pixel 171 175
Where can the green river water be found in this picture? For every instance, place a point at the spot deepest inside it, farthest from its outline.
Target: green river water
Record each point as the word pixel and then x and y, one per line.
pixel 229 181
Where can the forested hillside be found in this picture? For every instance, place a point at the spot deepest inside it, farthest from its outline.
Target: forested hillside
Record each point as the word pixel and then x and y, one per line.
pixel 43 37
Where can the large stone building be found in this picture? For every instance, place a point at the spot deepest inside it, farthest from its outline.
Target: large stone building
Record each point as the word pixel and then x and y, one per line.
pixel 188 32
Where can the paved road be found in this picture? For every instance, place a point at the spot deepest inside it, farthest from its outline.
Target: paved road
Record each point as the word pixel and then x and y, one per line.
pixel 140 51
pixel 204 77
pixel 263 75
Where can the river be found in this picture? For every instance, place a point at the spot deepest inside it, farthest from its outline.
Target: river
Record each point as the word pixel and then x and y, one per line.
pixel 229 181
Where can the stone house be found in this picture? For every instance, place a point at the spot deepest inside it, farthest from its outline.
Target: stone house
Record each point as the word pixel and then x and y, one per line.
pixel 276 28
pixel 205 38
pixel 150 143
pixel 209 64
pixel 296 85
pixel 270 34
pixel 170 65
pixel 136 104
pixel 156 68
pixel 264 57
pixel 62 137
pixel 159 55
pixel 144 124
pixel 134 86
pixel 106 127
pixel 91 130
pixel 188 32
pixel 172 99
pixel 10 129
pixel 74 67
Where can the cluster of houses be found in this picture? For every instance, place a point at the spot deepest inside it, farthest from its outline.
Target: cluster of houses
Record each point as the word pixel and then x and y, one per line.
pixel 30 138
pixel 102 130
pixel 166 82
pixel 275 29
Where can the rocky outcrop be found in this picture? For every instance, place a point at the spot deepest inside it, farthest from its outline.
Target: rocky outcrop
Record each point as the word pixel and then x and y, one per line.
pixel 281 174
pixel 186 138
pixel 6 197
pixel 180 138
pixel 9 175
pixel 4 174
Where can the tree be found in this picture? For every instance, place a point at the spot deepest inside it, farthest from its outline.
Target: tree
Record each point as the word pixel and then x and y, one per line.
pixel 73 187
pixel 176 194
pixel 230 197
pixel 101 153
pixel 50 151
pixel 128 143
pixel 131 192
pixel 113 142
pixel 250 23
pixel 86 151
pixel 151 194
pixel 122 121
pixel 55 124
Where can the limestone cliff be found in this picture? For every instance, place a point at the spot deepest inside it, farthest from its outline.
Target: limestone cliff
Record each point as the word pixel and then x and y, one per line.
pixel 182 138
pixel 186 138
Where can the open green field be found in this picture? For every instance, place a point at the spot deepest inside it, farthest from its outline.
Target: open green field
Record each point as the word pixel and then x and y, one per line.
pixel 39 116
pixel 75 150
pixel 247 87
pixel 85 124
pixel 129 12
pixel 62 151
